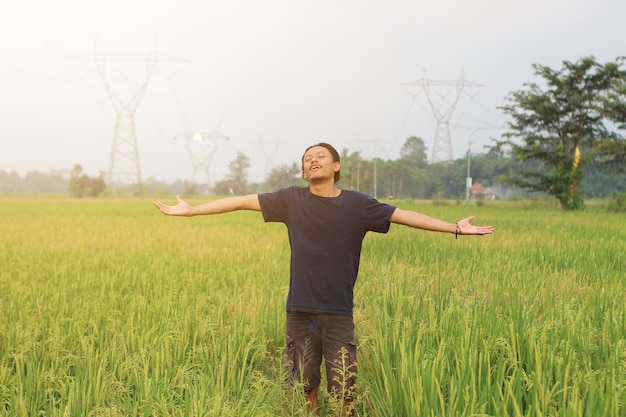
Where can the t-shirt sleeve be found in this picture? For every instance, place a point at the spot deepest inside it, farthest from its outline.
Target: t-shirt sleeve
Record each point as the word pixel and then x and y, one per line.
pixel 274 205
pixel 377 215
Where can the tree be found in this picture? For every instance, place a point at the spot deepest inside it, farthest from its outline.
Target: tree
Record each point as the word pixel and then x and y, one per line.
pixel 236 181
pixel 486 169
pixel 573 113
pixel 10 182
pixel 415 151
pixel 36 182
pixel 356 172
pixel 395 175
pixel 81 185
pixel 284 176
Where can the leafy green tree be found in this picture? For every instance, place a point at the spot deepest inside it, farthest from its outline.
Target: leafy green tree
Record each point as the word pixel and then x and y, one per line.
pixel 354 171
pixel 580 106
pixel 408 176
pixel 445 184
pixel 599 184
pixel 395 175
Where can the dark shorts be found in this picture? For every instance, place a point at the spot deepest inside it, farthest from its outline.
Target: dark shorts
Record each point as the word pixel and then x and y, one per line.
pixel 313 337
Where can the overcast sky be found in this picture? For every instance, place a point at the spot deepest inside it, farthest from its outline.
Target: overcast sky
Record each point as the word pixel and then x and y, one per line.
pixel 274 76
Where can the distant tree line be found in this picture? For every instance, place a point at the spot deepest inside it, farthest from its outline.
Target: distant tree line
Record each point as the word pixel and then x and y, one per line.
pixel 409 176
pixel 565 140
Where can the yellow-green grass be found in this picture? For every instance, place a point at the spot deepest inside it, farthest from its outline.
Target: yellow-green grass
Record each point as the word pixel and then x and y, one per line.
pixel 109 308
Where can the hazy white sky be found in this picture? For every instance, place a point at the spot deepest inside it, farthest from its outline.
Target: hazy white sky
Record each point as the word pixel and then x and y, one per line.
pixel 279 74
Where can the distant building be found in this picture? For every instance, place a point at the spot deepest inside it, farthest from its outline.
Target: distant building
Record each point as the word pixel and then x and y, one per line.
pixel 478 192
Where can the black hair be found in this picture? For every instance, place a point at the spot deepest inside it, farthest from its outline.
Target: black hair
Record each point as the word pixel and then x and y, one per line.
pixel 333 153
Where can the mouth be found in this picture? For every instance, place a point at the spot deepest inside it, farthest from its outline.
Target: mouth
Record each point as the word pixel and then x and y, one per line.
pixel 315 167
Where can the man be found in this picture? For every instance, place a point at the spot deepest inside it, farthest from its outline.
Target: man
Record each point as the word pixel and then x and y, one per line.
pixel 326 227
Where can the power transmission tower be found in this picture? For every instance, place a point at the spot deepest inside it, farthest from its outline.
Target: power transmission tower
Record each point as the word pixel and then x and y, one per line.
pixel 442 145
pixel 269 152
pixel 201 148
pixel 124 166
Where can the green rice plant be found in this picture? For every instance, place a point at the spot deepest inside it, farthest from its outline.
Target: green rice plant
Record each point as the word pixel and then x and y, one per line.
pixel 108 308
pixel 514 330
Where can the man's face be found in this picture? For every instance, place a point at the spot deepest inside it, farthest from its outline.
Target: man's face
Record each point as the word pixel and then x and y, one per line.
pixel 318 165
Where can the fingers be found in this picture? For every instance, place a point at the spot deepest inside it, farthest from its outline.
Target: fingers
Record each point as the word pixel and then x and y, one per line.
pixel 485 230
pixel 465 223
pixel 163 208
pixel 469 229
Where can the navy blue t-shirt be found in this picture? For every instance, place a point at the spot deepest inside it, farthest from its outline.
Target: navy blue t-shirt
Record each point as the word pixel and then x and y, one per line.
pixel 326 235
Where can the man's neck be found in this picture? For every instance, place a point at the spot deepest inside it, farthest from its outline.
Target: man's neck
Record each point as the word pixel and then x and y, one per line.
pixel 324 189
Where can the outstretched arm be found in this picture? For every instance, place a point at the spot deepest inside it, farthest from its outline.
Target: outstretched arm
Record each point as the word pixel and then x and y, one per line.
pixel 223 205
pixel 422 221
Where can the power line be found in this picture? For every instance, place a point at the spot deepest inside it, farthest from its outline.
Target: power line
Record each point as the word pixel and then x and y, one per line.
pixel 442 145
pixel 201 148
pixel 124 165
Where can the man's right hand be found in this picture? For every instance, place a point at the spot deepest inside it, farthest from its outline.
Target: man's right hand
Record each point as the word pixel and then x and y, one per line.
pixel 180 209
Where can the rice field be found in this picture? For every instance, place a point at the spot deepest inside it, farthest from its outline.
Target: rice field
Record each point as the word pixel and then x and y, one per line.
pixel 109 308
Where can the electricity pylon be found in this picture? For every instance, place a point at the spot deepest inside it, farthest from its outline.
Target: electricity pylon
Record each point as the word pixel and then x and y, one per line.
pixel 201 148
pixel 442 145
pixel 270 152
pixel 124 165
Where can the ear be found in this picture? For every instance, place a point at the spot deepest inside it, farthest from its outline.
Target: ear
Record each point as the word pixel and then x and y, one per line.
pixel 304 176
pixel 336 166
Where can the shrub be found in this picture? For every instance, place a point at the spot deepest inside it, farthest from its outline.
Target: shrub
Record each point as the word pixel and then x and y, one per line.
pixel 618 205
